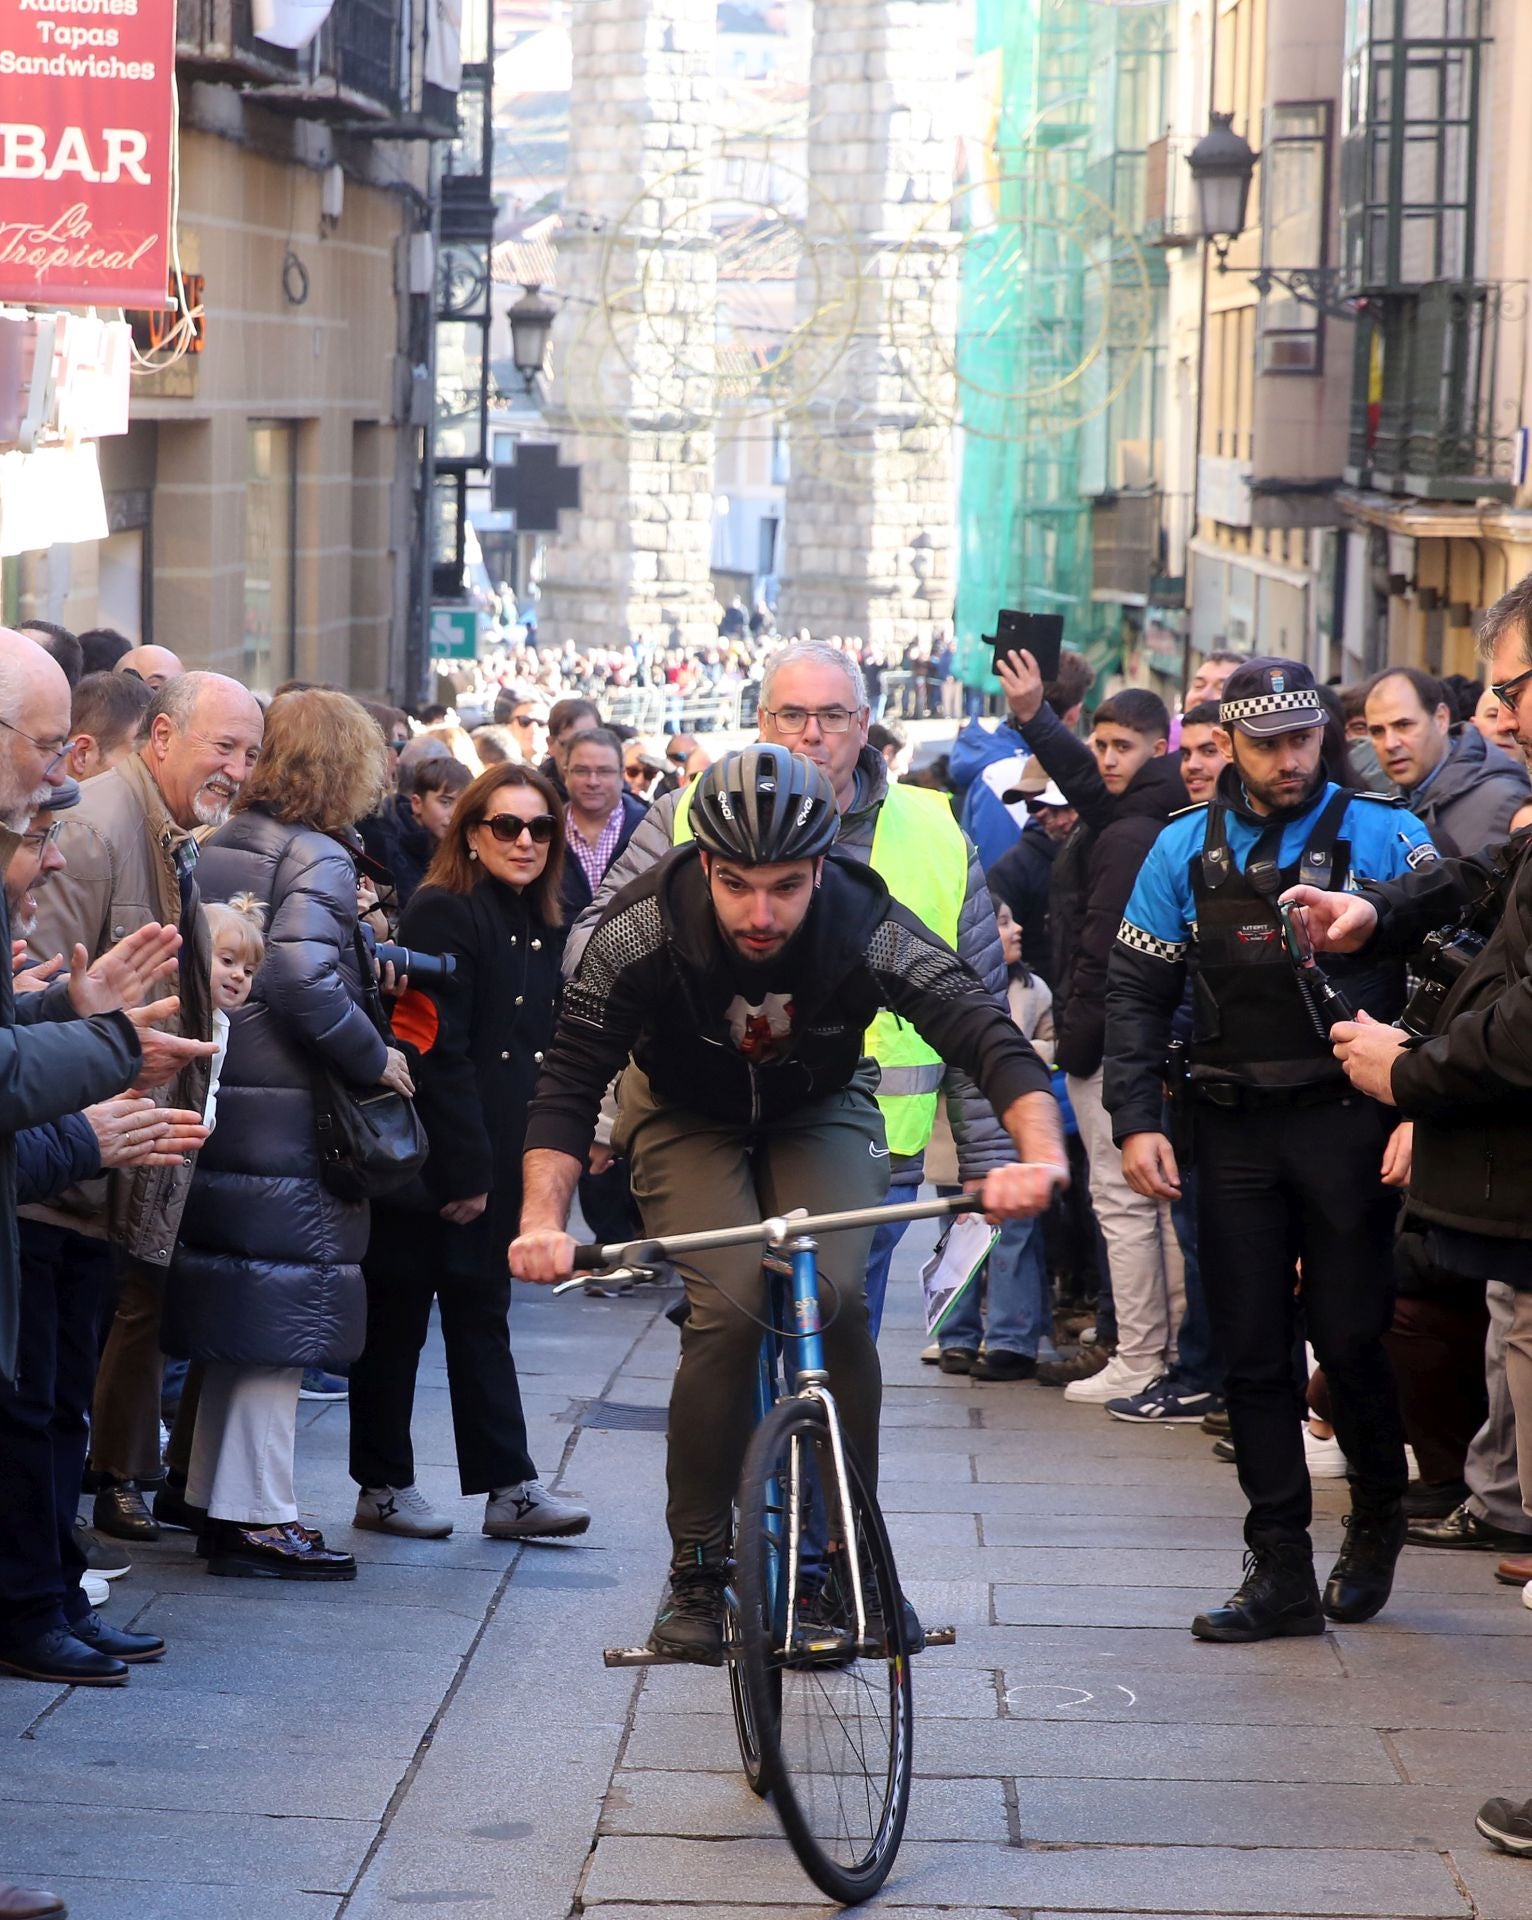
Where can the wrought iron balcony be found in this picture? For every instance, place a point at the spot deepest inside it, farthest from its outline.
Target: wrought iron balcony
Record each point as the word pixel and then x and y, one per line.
pixel 1125 545
pixel 1170 212
pixel 351 71
pixel 1436 399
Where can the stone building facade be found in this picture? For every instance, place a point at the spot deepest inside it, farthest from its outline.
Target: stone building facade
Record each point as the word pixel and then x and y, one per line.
pixel 633 349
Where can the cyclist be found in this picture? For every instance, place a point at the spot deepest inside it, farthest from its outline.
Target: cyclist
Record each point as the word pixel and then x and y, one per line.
pixel 740 974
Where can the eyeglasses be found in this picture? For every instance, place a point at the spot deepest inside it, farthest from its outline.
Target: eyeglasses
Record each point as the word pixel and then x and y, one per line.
pixel 52 750
pixel 1509 691
pixel 529 719
pixel 792 720
pixel 41 837
pixel 398 746
pixel 678 759
pixel 636 772
pixel 509 827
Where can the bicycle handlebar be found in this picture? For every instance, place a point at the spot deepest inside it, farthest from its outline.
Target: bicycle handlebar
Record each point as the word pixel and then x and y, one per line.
pixel 591 1258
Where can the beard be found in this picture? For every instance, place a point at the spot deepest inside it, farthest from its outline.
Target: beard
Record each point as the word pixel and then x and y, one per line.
pixel 17 815
pixel 212 802
pixel 24 918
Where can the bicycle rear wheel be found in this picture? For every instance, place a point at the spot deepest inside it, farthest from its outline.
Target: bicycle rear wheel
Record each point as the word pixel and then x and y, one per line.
pixel 834 1719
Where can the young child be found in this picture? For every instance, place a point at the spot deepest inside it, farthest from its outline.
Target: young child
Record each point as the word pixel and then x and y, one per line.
pixel 237 928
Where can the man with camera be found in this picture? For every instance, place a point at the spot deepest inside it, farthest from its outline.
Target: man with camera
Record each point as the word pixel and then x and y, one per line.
pixel 1291 1162
pixel 1460 1068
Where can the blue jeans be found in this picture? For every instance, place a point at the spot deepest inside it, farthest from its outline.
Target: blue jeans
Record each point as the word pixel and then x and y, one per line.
pixel 1198 1368
pixel 1016 1310
pixel 883 1243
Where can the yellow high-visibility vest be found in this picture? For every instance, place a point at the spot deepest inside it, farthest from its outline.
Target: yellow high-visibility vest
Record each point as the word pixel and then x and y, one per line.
pixel 919 853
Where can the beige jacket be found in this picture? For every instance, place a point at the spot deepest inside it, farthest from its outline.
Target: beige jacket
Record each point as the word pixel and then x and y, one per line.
pixel 120 845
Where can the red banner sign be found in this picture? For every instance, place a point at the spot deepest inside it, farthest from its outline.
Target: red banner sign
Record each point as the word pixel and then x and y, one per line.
pixel 85 149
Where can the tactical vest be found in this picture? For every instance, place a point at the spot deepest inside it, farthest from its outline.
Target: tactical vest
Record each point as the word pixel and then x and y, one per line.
pixel 919 853
pixel 1251 1023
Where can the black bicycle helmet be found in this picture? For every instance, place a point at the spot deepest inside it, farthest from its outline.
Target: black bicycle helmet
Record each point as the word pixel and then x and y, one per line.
pixel 764 805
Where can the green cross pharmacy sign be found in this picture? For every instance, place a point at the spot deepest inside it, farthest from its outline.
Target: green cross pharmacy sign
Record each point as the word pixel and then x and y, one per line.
pixel 455 633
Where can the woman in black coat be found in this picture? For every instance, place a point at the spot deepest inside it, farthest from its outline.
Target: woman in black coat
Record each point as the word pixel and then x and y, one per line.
pixel 267 1274
pixel 491 900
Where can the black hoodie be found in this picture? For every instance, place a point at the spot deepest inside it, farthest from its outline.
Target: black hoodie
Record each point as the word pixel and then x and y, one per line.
pixel 1093 878
pixel 747 1044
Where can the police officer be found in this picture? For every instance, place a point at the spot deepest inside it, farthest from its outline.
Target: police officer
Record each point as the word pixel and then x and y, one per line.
pixel 1290 1157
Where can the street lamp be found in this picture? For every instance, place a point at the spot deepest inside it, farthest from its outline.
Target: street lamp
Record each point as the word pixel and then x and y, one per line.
pixel 1221 164
pixel 531 323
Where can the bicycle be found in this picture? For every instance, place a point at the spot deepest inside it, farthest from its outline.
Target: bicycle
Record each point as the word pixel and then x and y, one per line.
pixel 816 1637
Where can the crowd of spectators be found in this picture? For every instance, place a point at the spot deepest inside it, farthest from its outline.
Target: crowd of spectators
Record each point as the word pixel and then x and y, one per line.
pixel 201 879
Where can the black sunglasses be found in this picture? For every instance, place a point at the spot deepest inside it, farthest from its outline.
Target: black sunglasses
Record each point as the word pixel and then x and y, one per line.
pixel 511 826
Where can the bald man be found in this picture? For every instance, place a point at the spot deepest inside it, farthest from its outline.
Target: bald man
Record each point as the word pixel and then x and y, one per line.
pixel 153 665
pixel 132 853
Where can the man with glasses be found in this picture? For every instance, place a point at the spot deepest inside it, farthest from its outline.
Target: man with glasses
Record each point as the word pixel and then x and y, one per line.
pixel 131 856
pixel 527 718
pixel 814 702
pixel 1465 1088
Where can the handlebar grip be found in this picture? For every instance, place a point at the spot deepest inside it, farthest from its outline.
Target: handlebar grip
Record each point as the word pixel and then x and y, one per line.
pixel 589 1258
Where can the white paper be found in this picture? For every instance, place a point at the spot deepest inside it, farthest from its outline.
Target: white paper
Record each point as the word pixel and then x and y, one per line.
pixel 959 1254
pixel 288 23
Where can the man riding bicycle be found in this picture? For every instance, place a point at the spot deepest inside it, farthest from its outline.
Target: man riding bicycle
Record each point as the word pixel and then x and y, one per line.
pixel 741 974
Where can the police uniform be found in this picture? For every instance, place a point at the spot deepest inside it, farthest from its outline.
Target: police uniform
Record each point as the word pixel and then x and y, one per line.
pixel 1288 1155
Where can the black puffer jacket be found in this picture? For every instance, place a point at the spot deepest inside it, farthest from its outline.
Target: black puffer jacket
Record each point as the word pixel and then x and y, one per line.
pixel 268 1269
pixel 1093 878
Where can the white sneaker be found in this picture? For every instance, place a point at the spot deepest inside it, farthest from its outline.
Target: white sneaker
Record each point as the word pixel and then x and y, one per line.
pixel 1115 1381
pixel 95 1589
pixel 531 1512
pixel 403 1510
pixel 1526 1594
pixel 1323 1458
pixel 932 1354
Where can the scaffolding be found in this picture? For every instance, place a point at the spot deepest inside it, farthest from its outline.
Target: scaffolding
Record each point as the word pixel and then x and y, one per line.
pixel 1058 310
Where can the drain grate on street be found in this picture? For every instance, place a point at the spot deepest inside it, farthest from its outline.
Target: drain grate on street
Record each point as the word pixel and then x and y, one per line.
pixel 615 1415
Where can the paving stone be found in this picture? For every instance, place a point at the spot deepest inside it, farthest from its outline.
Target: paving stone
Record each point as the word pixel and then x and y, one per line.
pixel 1481 1763
pixel 1241 1699
pixel 723 1807
pixel 117 1895
pixel 156 1845
pixel 1163 1880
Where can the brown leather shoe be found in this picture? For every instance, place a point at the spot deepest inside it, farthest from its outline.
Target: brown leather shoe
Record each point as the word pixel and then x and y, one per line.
pixel 1516 1571
pixel 27 1903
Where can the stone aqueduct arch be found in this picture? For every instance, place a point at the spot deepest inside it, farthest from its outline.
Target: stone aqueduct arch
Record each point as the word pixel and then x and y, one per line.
pixel 869 535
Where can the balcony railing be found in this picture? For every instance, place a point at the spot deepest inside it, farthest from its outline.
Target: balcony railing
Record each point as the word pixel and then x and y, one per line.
pixel 1437 396
pixel 1169 209
pixel 1125 544
pixel 352 69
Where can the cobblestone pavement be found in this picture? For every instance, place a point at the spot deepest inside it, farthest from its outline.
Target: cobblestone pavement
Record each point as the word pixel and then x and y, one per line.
pixel 442 1736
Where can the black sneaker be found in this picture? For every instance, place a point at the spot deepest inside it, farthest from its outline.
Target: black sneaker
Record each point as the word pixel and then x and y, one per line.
pixel 1002 1364
pixel 1363 1576
pixel 1277 1600
pixel 957 1359
pixel 689 1624
pixel 1506 1825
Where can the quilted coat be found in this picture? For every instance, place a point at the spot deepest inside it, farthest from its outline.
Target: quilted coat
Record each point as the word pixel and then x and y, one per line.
pixel 268 1269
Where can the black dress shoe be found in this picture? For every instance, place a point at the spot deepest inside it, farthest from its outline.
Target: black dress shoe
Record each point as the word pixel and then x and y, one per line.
pixel 1003 1365
pixel 1433 1499
pixel 1224 1450
pixel 273 1553
pixel 1463 1528
pixel 1363 1577
pixel 58 1657
pixel 1217 1423
pixel 173 1509
pixel 1278 1600
pixel 93 1631
pixel 121 1512
pixel 957 1359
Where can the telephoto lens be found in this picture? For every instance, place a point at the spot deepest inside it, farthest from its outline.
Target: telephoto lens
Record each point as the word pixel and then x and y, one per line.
pixel 419 966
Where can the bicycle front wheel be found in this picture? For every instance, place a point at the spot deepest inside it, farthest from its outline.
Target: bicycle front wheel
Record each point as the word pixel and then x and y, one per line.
pixel 740 1699
pixel 833 1717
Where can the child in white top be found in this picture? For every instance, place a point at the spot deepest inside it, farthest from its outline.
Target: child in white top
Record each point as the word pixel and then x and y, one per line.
pixel 237 928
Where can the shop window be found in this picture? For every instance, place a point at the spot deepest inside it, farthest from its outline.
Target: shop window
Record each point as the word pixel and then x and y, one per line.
pixel 1295 175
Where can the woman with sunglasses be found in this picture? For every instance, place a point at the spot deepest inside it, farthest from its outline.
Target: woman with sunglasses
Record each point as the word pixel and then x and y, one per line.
pixel 490 899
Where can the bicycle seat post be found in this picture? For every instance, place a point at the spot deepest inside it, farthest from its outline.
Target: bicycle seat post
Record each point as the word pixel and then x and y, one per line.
pixel 807 1360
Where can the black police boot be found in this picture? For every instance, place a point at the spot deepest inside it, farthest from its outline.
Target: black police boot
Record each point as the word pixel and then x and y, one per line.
pixel 1363 1577
pixel 1277 1600
pixel 689 1624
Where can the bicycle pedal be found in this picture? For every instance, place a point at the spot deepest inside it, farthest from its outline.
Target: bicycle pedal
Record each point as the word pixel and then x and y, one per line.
pixel 638 1657
pixel 941 1636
